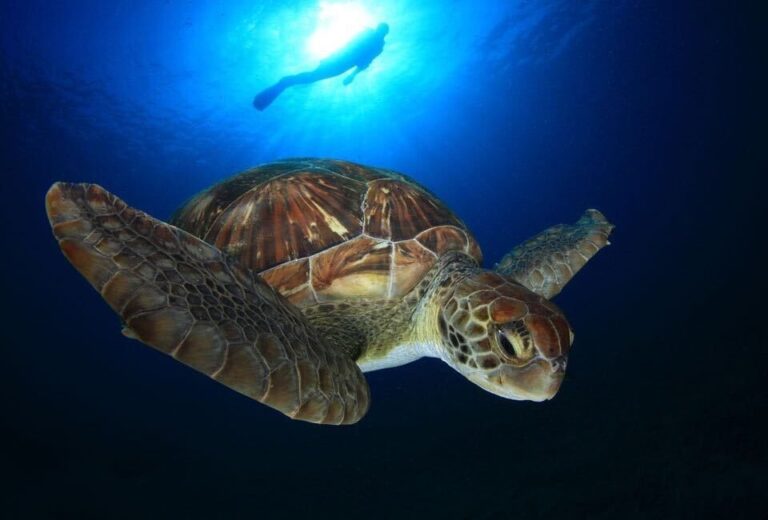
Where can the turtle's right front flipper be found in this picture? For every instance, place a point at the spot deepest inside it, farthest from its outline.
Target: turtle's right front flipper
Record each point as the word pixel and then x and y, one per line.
pixel 548 261
pixel 182 296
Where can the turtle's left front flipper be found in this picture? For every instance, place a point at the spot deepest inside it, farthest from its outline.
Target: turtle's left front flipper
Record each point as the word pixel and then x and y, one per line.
pixel 546 262
pixel 185 298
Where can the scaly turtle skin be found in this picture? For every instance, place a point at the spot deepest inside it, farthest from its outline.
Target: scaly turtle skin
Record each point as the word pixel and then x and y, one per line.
pixel 288 281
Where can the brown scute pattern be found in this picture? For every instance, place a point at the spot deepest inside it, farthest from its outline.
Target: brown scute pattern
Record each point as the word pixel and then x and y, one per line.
pixel 546 262
pixel 410 264
pixel 183 297
pixel 360 172
pixel 198 214
pixel 359 268
pixel 481 281
pixel 441 239
pixel 504 310
pixel 545 335
pixel 272 215
pixel 473 248
pixel 396 210
pixel 352 171
pixel 287 218
pixel 292 281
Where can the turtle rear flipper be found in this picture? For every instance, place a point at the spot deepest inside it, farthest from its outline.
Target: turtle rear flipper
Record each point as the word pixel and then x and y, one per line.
pixel 546 262
pixel 184 297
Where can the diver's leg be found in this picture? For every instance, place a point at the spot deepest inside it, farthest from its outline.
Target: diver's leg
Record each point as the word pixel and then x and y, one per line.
pixel 325 70
pixel 329 69
pixel 264 98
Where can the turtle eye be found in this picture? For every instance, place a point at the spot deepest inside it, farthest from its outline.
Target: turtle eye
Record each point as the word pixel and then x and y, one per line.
pixel 506 345
pixel 515 341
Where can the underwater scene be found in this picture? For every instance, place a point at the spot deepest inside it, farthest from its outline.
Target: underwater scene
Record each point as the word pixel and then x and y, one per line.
pixel 423 259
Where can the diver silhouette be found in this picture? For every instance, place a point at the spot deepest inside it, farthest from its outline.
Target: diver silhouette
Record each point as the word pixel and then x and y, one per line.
pixel 358 53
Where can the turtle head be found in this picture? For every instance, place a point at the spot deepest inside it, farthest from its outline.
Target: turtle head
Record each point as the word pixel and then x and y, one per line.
pixel 503 337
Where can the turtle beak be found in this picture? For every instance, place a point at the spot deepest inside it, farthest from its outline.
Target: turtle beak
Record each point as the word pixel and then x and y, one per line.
pixel 537 381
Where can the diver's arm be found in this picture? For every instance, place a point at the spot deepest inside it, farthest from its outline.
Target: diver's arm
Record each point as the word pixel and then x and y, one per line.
pixel 358 69
pixel 365 57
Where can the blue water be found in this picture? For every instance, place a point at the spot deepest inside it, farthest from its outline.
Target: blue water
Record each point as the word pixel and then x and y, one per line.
pixel 519 115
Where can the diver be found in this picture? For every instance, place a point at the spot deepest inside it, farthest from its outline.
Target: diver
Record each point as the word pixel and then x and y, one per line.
pixel 358 53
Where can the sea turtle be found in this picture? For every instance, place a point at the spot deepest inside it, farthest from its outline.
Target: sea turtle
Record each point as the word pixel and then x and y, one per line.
pixel 288 281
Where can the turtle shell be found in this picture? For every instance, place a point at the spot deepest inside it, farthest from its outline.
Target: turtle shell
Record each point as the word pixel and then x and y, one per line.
pixel 323 230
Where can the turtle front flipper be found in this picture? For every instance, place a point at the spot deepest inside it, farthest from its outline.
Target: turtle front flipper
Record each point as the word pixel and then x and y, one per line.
pixel 546 262
pixel 184 297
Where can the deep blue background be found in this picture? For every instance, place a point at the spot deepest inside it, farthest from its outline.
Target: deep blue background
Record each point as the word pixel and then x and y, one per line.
pixel 519 115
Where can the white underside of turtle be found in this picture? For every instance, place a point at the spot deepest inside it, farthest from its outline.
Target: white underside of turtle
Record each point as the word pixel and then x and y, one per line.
pixel 398 355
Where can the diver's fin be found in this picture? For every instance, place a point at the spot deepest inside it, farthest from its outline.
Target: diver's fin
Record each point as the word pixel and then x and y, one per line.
pixel 265 98
pixel 546 262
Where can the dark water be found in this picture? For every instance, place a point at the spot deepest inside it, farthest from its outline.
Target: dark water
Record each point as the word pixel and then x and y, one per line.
pixel 519 115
